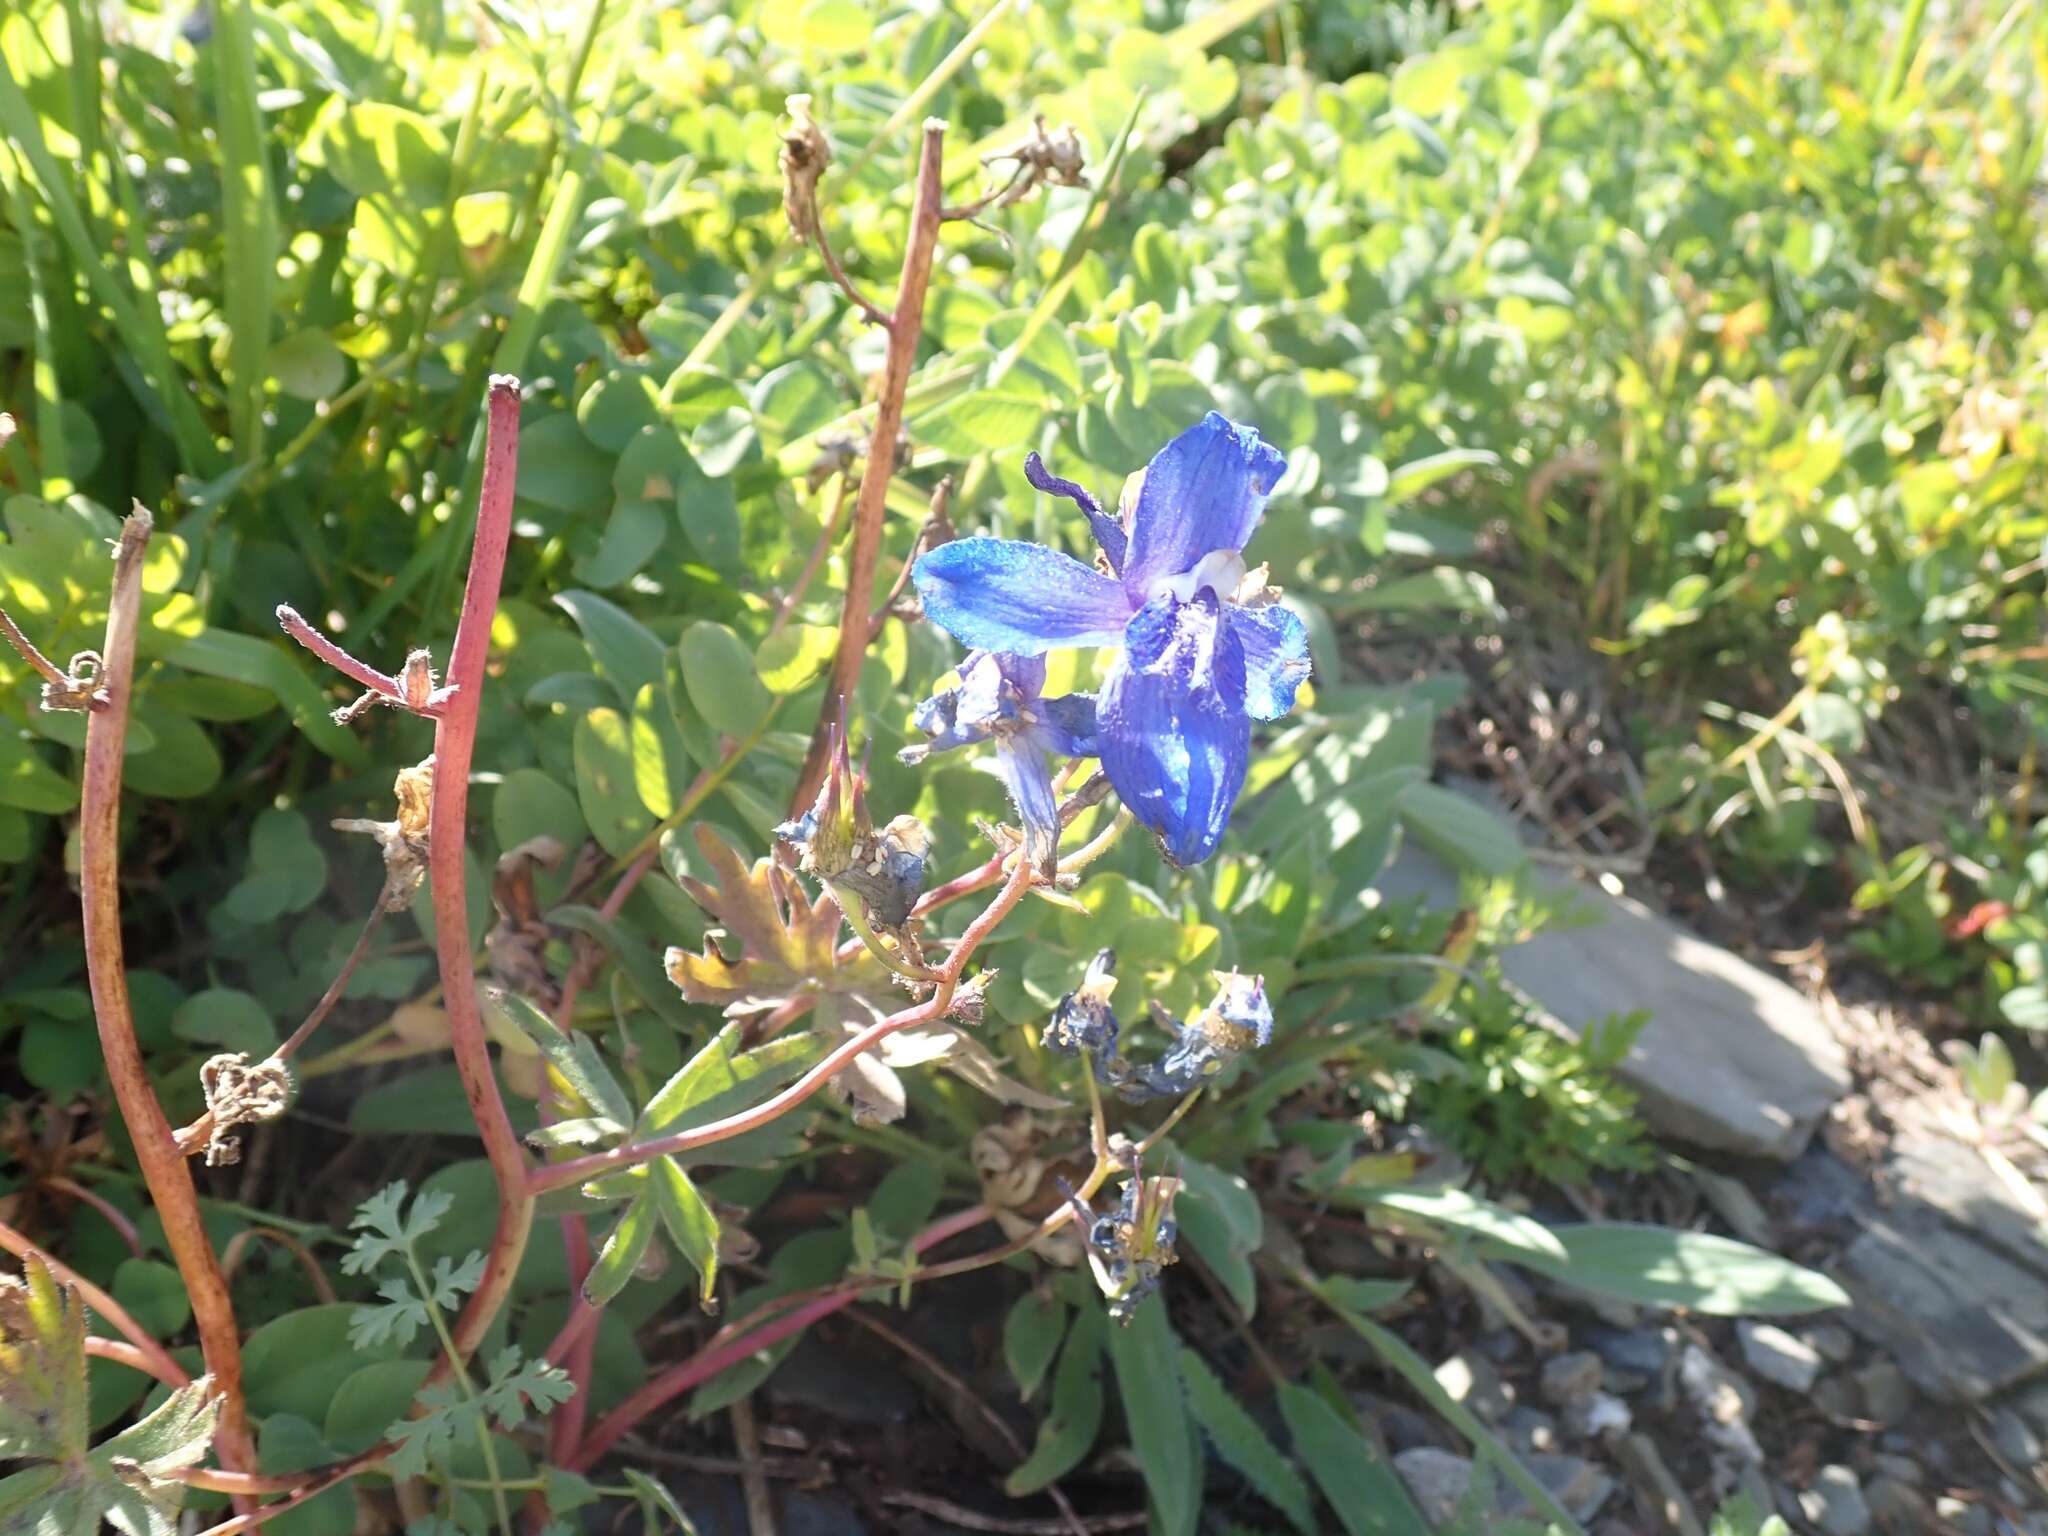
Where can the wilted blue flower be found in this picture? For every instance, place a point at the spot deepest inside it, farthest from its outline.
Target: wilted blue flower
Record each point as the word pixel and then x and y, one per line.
pixel 1000 698
pixel 1239 1019
pixel 1130 1246
pixel 1204 650
pixel 1084 1021
pixel 836 840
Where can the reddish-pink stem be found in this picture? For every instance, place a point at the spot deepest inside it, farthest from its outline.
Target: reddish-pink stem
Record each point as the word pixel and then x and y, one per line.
pixel 709 1362
pixel 99 885
pixel 115 1217
pixel 294 624
pixel 447 832
pixel 576 1170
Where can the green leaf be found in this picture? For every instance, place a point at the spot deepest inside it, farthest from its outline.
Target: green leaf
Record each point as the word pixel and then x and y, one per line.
pixel 369 1401
pixel 631 538
pixel 1459 830
pixel 29 783
pixel 1440 587
pixel 154 1294
pixel 631 953
pixel 622 1252
pixel 183 764
pixel 266 664
pixel 1518 1236
pixel 1221 1221
pixel 625 651
pixel 791 658
pixel 662 765
pixel 718 673
pixel 607 786
pixel 1367 1495
pixel 571 1055
pixel 656 1500
pixel 1242 1444
pixel 530 804
pixel 1031 1336
pixel 707 513
pixel 296 1363
pixel 721 1068
pixel 227 1017
pixel 308 365
pixel 287 869
pixel 1418 475
pixel 1147 1359
pixel 42 1367
pixel 1076 1416
pixel 692 1226
pixel 1660 1267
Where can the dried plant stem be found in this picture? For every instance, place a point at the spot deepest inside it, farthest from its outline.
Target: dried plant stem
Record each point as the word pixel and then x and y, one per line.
pixel 47 669
pixel 302 1486
pixel 161 1365
pixel 121 1352
pixel 454 749
pixel 156 1145
pixel 576 1170
pixel 905 327
pixel 827 535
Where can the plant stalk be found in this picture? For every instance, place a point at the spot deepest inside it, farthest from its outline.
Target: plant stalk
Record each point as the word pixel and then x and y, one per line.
pixel 156 1146
pixel 906 328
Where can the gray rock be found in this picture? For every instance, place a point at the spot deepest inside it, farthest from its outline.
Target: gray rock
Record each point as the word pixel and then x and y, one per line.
pixel 1436 1479
pixel 1778 1356
pixel 1634 1357
pixel 1884 1392
pixel 2016 1439
pixel 1899 1508
pixel 1834 1342
pixel 1966 1516
pixel 1943 1280
pixel 1838 1397
pixel 1733 1058
pixel 1574 1482
pixel 1572 1378
pixel 1723 1402
pixel 1835 1503
pixel 1470 1379
pixel 1529 1429
pixel 1598 1416
pixel 1900 1469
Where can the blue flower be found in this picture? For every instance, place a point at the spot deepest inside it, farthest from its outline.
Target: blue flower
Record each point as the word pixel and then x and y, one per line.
pixel 1128 1247
pixel 1204 649
pixel 1001 699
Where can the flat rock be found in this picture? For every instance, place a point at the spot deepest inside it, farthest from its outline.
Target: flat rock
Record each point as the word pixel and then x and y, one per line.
pixel 1963 1319
pixel 1778 1356
pixel 1732 1058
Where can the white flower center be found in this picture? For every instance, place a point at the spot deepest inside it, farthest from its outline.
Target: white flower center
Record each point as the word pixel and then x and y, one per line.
pixel 1221 571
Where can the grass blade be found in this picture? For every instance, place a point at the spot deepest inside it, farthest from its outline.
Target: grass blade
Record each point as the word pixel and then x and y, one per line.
pixel 249 219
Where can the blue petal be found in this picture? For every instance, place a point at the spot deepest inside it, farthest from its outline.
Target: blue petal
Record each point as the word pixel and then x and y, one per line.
pixel 1275 645
pixel 1173 728
pixel 1023 767
pixel 1109 533
pixel 1066 725
pixel 1203 491
pixel 1005 595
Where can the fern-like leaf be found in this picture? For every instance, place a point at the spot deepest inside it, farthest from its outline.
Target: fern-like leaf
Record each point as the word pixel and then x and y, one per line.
pixel 1240 1442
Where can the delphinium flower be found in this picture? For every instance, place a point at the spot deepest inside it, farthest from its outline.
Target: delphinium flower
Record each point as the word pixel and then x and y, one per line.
pixel 1000 698
pixel 1239 1019
pixel 1204 646
pixel 1128 1247
pixel 1084 1021
pixel 837 841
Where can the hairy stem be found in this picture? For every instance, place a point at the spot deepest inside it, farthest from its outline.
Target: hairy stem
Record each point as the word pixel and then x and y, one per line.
pixel 156 1145
pixel 454 748
pixel 906 327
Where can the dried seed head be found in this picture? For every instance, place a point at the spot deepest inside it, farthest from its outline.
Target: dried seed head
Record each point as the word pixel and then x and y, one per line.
pixel 805 154
pixel 237 1094
pixel 404 841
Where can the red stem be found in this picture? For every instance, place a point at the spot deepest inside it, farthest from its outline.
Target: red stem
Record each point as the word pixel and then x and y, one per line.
pixel 707 1363
pixel 447 831
pixel 164 1168
pixel 576 1170
pixel 906 326
pixel 293 624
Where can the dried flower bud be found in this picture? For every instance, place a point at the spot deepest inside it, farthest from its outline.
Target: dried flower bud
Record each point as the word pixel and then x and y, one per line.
pixel 1128 1247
